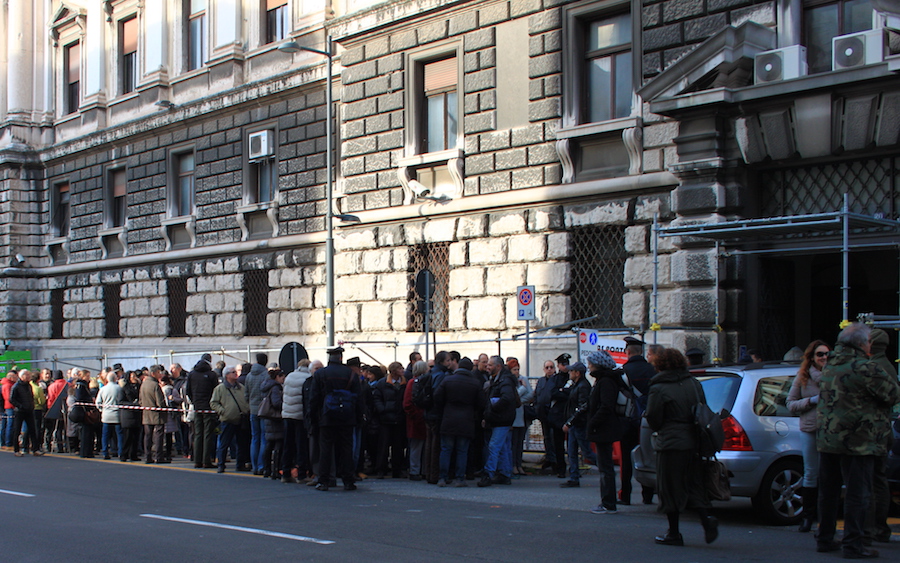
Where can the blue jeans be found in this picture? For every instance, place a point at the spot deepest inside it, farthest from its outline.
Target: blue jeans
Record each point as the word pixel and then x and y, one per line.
pixel 810 459
pixel 499 453
pixel 450 446
pixel 578 439
pixel 227 433
pixel 6 428
pixel 104 441
pixel 257 442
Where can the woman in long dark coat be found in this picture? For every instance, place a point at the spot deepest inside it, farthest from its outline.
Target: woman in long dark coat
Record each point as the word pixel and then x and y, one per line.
pixel 679 479
pixel 604 427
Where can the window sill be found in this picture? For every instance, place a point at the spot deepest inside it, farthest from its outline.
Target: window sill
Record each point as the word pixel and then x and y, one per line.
pixel 598 128
pixel 188 74
pixel 430 158
pixel 624 136
pixel 108 239
pixel 122 98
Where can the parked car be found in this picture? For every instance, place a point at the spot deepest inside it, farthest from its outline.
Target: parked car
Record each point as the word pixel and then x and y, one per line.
pixel 762 448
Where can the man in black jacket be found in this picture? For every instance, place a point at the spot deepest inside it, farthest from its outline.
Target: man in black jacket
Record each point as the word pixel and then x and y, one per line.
pixel 499 415
pixel 200 385
pixel 639 372
pixel 336 405
pixel 460 398
pixel 576 423
pixel 21 397
pixel 556 414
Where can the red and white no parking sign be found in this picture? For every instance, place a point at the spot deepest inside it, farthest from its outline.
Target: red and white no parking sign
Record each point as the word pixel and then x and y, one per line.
pixel 525 303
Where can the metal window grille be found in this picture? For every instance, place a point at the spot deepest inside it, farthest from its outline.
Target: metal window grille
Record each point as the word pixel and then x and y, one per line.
pixel 434 256
pixel 112 297
pixel 598 272
pixel 256 302
pixel 57 302
pixel 871 184
pixel 176 295
pixel 776 307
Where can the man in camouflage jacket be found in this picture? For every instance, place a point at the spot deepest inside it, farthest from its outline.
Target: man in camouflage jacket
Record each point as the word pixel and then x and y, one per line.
pixel 855 401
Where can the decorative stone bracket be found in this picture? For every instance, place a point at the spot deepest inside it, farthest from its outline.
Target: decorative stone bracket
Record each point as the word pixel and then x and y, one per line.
pixel 630 129
pixel 269 207
pixel 188 223
pixel 61 243
pixel 103 236
pixel 455 161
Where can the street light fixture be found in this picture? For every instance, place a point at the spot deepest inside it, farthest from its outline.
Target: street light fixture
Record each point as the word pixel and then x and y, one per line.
pixel 293 47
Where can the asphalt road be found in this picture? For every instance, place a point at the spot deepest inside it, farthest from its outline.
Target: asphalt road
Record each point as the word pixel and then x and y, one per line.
pixel 94 510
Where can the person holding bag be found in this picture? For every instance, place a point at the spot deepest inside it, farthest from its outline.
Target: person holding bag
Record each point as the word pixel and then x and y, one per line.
pixel 230 403
pixel 270 411
pixel 674 393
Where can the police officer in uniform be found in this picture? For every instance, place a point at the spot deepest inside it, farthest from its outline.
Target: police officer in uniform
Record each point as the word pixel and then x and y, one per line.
pixel 336 426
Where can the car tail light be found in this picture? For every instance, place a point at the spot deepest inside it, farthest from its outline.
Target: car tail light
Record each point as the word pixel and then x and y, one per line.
pixel 736 440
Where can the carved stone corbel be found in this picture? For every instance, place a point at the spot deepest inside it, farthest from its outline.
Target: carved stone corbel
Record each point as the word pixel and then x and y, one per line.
pixel 563 149
pixel 633 137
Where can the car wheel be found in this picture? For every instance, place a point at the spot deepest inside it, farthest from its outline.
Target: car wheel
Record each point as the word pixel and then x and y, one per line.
pixel 778 500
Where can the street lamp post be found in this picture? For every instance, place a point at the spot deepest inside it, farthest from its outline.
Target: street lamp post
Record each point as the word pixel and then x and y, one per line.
pixel 293 47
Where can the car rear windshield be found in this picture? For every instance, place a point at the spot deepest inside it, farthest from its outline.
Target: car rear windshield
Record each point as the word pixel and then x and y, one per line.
pixel 720 390
pixel 771 394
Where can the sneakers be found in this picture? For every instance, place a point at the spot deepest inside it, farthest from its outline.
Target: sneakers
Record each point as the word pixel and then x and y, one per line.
pixel 460 483
pixel 485 482
pixel 288 478
pixel 670 539
pixel 603 510
pixel 501 479
pixel 570 484
pixel 321 487
pixel 350 486
pixel 442 483
pixel 37 453
pixel 19 454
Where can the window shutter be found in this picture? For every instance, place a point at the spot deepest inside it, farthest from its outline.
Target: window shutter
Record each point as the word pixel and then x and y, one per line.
pixel 74 63
pixel 440 75
pixel 272 4
pixel 119 183
pixel 129 36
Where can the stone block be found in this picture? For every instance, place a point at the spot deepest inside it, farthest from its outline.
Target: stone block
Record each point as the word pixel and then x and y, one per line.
pixel 471 226
pixel 400 258
pixel 466 282
pixel 347 263
pixel 527 248
pixel 215 266
pixel 456 314
pixel 390 235
pixel 634 309
pixel 355 288
pixel 694 267
pixel 355 240
pixel 680 307
pixel 205 284
pixel 507 223
pixel 392 286
pixel 233 301
pixel 414 233
pixel 549 277
pixel 486 314
pixel 215 303
pixel 457 254
pixel 347 317
pixel 639 271
pixel 636 239
pixel 400 315
pixel 647 206
pixel 660 134
pixel 312 321
pixel 504 279
pixel 195 304
pixel 289 322
pixel 440 230
pixel 487 251
pixel 279 299
pixel 141 307
pixel 608 213
pixel 555 310
pixel 557 246
pixel 374 261
pixel 229 282
pixel 376 316
pixel 291 277
pixel 230 324
pixel 302 298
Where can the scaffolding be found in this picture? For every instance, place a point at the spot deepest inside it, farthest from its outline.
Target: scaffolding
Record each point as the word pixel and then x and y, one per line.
pixel 815 232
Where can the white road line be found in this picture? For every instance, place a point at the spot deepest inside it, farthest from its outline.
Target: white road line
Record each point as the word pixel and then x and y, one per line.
pixel 15 494
pixel 238 529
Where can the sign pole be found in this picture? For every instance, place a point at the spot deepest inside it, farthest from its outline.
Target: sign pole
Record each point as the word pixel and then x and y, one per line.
pixel 528 350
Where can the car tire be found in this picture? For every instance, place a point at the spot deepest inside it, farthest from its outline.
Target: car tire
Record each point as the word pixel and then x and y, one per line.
pixel 778 501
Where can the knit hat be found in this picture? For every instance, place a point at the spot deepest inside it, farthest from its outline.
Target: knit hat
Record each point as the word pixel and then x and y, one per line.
pixel 466 364
pixel 601 359
pixel 206 358
pixel 879 340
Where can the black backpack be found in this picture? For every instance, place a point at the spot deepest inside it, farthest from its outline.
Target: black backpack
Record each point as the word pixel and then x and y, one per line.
pixel 423 393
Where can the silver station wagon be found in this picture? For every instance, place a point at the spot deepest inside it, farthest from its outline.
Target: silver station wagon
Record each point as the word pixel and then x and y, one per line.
pixel 762 438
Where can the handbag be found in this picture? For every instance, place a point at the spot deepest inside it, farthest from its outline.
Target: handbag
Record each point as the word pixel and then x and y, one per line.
pixel 266 410
pixel 710 434
pixel 91 416
pixel 716 481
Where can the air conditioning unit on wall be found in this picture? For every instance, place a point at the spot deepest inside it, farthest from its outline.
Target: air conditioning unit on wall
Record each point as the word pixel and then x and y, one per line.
pixel 857 49
pixel 780 64
pixel 261 144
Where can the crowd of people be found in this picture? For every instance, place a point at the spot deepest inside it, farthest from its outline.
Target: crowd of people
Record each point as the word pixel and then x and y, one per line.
pixel 455 419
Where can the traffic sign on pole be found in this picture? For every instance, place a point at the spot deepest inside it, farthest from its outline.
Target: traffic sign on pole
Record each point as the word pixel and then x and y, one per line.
pixel 525 303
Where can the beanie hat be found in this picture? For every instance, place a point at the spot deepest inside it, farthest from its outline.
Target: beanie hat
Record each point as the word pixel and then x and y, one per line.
pixel 602 359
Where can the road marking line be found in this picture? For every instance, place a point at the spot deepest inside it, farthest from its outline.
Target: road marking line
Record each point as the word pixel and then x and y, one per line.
pixel 15 494
pixel 238 529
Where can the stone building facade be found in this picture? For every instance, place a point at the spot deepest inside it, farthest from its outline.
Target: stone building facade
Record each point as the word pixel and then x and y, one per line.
pixel 163 171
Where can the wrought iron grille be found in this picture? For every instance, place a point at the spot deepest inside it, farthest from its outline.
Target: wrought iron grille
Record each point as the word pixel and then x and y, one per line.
pixel 112 297
pixel 871 184
pixel 256 302
pixel 57 303
pixel 177 295
pixel 434 256
pixel 598 273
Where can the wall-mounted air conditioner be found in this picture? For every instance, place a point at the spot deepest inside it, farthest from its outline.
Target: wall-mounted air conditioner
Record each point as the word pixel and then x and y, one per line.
pixel 261 144
pixel 857 49
pixel 780 64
